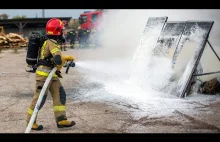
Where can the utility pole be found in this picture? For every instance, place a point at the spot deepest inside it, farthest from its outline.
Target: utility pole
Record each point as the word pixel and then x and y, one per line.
pixel 43 13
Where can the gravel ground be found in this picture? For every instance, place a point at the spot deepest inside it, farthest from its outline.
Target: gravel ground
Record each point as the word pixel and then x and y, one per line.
pixel 91 115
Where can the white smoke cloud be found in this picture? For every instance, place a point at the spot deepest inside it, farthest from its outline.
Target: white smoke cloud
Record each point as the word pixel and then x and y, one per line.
pixel 123 28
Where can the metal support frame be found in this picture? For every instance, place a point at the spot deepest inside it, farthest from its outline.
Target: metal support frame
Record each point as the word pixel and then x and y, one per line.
pixel 202 74
pixel 213 50
pixel 178 40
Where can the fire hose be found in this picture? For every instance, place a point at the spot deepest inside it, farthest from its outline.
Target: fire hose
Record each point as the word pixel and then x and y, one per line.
pixel 37 106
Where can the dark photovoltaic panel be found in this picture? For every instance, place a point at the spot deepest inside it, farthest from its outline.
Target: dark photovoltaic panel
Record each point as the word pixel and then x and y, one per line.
pixel 147 43
pixel 150 35
pixel 197 31
pixel 169 37
pixel 154 22
pixel 159 36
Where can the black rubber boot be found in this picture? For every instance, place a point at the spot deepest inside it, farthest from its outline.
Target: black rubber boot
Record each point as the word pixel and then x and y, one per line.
pixel 65 123
pixel 37 127
pixel 62 122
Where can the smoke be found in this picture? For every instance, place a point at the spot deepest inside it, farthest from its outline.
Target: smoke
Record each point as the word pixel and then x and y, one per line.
pixel 122 29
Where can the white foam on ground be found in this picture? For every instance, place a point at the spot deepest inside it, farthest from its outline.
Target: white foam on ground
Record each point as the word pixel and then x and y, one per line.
pixel 117 88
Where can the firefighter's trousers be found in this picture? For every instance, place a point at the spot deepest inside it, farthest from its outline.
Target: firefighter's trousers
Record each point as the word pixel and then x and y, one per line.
pixel 58 95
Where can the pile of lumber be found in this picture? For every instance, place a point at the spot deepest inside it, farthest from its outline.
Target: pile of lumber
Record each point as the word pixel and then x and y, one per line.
pixel 12 40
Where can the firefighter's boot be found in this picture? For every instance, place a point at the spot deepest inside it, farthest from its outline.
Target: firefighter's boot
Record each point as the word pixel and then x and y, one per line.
pixel 65 123
pixel 37 127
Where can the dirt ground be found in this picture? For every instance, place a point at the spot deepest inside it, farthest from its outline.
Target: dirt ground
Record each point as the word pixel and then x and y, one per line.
pixel 17 87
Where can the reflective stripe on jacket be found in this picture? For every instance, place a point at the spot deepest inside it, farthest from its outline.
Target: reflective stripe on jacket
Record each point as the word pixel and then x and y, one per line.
pixel 48 48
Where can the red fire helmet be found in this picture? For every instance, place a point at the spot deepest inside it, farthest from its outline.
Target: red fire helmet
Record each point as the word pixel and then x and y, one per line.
pixel 54 27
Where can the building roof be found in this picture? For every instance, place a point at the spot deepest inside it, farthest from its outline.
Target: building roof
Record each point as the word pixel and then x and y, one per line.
pixel 30 22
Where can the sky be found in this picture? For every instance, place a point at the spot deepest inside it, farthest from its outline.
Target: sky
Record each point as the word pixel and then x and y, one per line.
pixel 32 13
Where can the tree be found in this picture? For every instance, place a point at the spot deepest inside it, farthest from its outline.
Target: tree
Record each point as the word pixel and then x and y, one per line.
pixel 4 16
pixel 19 17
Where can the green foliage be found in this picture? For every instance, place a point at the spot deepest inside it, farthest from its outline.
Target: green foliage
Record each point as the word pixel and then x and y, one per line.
pixel 19 17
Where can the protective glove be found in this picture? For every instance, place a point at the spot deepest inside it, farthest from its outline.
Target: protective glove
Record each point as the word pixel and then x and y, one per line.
pixel 64 59
pixel 68 58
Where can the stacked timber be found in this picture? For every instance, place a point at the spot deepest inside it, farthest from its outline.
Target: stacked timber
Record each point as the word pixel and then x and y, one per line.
pixel 13 40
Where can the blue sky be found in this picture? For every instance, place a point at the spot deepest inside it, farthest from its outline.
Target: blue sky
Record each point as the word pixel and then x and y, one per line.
pixel 32 13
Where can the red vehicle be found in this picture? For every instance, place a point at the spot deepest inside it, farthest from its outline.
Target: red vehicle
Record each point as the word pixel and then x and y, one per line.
pixel 89 22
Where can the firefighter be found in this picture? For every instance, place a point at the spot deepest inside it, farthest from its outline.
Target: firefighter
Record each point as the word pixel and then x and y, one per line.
pixel 80 37
pixel 93 38
pixel 50 56
pixel 72 37
pixel 86 37
pixel 63 43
